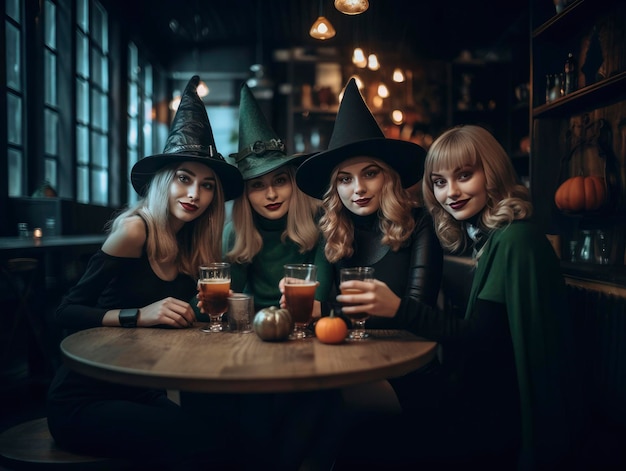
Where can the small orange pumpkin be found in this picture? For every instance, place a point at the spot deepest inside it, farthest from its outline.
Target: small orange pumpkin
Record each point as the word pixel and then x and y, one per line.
pixel 579 194
pixel 331 329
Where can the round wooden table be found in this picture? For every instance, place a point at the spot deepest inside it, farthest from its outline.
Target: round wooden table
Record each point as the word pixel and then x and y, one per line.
pixel 191 360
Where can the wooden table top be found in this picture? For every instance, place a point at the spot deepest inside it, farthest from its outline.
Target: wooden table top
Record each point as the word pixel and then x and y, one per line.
pixel 191 360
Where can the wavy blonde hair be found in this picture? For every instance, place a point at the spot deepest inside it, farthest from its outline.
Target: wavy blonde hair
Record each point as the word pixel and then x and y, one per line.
pixel 301 224
pixel 394 215
pixel 507 199
pixel 196 243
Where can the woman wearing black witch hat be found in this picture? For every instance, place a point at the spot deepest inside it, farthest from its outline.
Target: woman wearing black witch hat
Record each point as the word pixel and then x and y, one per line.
pixel 143 277
pixel 371 220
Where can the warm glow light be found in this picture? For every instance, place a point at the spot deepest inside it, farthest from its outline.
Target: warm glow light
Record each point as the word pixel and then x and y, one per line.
pixel 352 7
pixel 322 29
pixel 378 101
pixel 383 91
pixel 398 75
pixel 372 62
pixel 202 89
pixel 175 103
pixel 397 116
pixel 358 58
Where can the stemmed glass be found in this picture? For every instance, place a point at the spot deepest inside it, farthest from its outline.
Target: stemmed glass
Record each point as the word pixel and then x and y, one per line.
pixel 300 285
pixel 214 284
pixel 358 318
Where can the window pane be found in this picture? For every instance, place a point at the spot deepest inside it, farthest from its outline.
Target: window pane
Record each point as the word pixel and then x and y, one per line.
pixel 99 110
pixel 14 58
pixel 104 74
pixel 82 185
pixel 96 71
pixel 51 172
pixel 50 82
pixel 82 14
pixel 82 55
pixel 133 61
pixel 133 132
pixel 148 81
pixel 82 101
pixel 82 145
pixel 133 98
pixel 100 20
pixel 16 167
pixel 224 125
pixel 99 149
pixel 51 131
pixel 147 139
pixel 14 119
pixel 13 9
pixel 133 157
pixel 100 186
pixel 50 25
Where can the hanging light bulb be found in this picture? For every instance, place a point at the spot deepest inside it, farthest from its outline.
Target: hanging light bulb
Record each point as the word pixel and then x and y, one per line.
pixel 383 91
pixel 175 102
pixel 372 62
pixel 322 29
pixel 397 116
pixel 203 89
pixel 358 58
pixel 359 82
pixel 352 7
pixel 398 75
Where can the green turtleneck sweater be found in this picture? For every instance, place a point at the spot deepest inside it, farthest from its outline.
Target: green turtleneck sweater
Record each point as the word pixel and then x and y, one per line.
pixel 260 278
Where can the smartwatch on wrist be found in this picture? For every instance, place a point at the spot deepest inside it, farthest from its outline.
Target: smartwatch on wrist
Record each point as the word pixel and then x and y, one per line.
pixel 128 317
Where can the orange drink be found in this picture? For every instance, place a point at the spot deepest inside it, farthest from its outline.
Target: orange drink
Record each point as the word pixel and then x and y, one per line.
pixel 299 299
pixel 215 295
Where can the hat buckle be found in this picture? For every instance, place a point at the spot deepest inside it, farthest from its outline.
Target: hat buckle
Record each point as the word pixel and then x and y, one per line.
pixel 259 147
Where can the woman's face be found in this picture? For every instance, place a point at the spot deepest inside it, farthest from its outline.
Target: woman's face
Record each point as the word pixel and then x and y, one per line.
pixel 191 192
pixel 359 185
pixel 462 191
pixel 270 194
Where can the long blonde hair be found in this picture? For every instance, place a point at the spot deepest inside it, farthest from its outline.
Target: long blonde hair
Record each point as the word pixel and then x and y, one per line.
pixel 196 243
pixel 395 218
pixel 507 199
pixel 301 224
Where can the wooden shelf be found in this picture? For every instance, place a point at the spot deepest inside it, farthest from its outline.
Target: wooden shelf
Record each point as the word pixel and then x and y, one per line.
pixel 594 96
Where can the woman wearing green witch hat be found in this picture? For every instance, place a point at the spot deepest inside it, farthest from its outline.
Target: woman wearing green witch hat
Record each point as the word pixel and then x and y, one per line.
pixel 273 222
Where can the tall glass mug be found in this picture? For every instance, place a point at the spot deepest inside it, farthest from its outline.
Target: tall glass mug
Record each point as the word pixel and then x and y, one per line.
pixel 358 319
pixel 214 283
pixel 300 284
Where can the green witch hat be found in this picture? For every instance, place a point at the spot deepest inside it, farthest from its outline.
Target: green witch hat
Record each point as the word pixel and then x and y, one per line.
pixel 190 140
pixel 261 151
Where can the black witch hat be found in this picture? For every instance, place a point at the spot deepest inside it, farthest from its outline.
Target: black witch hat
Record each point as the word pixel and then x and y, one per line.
pixel 356 133
pixel 190 140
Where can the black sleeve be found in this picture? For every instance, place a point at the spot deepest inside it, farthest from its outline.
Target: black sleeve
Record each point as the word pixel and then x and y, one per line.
pixel 79 308
pixel 483 327
pixel 425 272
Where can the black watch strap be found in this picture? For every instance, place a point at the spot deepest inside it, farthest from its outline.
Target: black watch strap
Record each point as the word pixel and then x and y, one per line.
pixel 128 317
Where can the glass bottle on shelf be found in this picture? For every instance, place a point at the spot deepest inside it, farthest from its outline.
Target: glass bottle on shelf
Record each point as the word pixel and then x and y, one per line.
pixel 571 74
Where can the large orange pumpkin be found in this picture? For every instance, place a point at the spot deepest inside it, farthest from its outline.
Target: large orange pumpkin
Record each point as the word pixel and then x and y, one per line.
pixel 579 194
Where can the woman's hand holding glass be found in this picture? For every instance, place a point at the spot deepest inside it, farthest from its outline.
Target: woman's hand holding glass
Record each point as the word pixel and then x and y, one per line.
pixel 357 294
pixel 214 284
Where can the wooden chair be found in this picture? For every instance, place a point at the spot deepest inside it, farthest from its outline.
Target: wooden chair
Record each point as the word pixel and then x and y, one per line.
pixel 29 445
